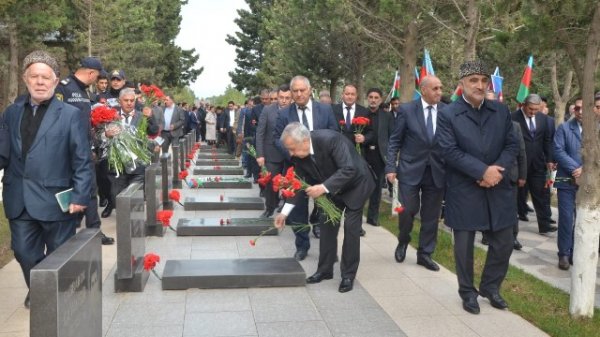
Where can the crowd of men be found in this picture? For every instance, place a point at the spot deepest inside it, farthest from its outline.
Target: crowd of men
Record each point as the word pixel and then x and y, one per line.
pixel 471 160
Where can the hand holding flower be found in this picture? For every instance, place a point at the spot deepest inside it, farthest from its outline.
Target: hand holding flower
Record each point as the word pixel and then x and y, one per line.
pixel 315 191
pixel 279 221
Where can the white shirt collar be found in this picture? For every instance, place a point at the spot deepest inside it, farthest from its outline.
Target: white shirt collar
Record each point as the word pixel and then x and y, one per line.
pixel 425 105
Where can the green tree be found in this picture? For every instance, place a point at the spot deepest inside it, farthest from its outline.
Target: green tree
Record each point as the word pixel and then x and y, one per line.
pixel 230 94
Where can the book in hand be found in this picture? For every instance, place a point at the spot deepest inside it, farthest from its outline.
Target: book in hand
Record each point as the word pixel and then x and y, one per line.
pixel 64 199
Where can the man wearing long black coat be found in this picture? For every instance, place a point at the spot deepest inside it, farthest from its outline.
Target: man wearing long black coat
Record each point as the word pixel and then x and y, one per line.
pixel 479 147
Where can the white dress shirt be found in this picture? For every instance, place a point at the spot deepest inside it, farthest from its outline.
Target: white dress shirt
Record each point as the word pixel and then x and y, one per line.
pixel 433 113
pixel 308 112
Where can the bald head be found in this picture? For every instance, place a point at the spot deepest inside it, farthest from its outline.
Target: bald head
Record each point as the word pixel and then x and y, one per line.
pixel 431 89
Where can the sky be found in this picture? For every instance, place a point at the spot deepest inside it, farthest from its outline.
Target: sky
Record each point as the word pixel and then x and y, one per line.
pixel 204 26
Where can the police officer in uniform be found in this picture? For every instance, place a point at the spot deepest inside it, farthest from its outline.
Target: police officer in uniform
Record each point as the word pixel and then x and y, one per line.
pixel 73 90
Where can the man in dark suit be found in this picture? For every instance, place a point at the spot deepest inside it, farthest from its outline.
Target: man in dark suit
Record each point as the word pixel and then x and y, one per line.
pixel 538 146
pixel 49 153
pixel 4 143
pixel 329 163
pixel 250 124
pixel 171 123
pixel 376 149
pixel 267 154
pixel 420 170
pixel 479 148
pixel 346 111
pixel 233 115
pixel 314 116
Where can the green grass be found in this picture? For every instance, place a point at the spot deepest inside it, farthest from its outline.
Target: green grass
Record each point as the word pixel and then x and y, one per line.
pixel 536 301
pixel 6 253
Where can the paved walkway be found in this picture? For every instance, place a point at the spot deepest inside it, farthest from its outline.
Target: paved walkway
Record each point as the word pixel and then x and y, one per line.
pixel 389 299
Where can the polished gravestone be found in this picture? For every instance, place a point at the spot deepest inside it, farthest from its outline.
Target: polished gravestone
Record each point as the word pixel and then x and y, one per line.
pixel 232 273
pixel 131 223
pixel 213 182
pixel 225 227
pixel 167 183
pixel 213 162
pixel 219 170
pixel 176 182
pixel 228 203
pixel 211 148
pixel 66 289
pixel 211 155
pixel 182 154
pixel 154 194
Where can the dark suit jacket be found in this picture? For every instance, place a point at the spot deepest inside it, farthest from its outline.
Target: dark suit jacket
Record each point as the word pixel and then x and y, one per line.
pixel 339 167
pixel 339 111
pixel 251 120
pixel 322 119
pixel 265 144
pixel 416 151
pixel 377 147
pixel 539 147
pixel 470 141
pixel 4 143
pixel 567 150
pixel 59 159
pixel 222 121
pixel 519 170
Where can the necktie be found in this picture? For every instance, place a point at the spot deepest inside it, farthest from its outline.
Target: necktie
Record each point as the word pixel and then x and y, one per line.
pixel 348 118
pixel 34 109
pixel 531 127
pixel 429 123
pixel 304 119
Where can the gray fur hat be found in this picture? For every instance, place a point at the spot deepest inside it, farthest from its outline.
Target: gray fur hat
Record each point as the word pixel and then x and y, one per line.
pixel 473 67
pixel 40 56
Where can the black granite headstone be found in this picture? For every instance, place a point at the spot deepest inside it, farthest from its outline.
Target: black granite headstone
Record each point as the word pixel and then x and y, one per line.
pixel 131 223
pixel 182 154
pixel 153 186
pixel 224 184
pixel 176 168
pixel 225 227
pixel 232 273
pixel 213 162
pixel 219 170
pixel 228 203
pixel 167 183
pixel 211 155
pixel 66 289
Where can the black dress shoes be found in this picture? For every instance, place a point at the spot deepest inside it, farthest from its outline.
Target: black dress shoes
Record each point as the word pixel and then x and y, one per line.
pixel 300 255
pixel 346 285
pixel 267 214
pixel 484 240
pixel 318 277
pixel 107 211
pixel 563 263
pixel 495 299
pixel 427 262
pixel 470 305
pixel 26 303
pixel 400 253
pixel 316 231
pixel 103 202
pixel 523 218
pixel 552 221
pixel 362 232
pixel 373 223
pixel 106 240
pixel 548 229
pixel 517 245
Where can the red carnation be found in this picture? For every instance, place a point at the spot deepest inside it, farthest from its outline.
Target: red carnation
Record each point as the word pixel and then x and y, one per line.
pixel 342 122
pixel 287 193
pixel 399 209
pixel 221 197
pixel 183 174
pixel 252 243
pixel 150 261
pixel 175 196
pixel 164 217
pixel 103 114
pixel 187 164
pixel 222 222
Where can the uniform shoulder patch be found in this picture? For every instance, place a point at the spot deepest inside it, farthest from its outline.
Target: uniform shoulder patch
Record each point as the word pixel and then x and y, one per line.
pixel 65 81
pixel 59 96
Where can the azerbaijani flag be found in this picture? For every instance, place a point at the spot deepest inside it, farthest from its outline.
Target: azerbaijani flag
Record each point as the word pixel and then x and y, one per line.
pixel 417 83
pixel 496 83
pixel 427 68
pixel 525 81
pixel 395 91
pixel 457 93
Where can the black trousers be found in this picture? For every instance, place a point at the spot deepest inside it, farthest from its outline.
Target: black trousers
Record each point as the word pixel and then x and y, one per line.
pixel 168 139
pixel 351 244
pixel 102 179
pixel 92 218
pixel 535 185
pixel 426 198
pixel 375 199
pixel 496 263
pixel 272 197
pixel 118 184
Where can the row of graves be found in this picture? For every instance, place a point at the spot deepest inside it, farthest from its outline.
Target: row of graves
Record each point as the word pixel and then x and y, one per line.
pixel 66 287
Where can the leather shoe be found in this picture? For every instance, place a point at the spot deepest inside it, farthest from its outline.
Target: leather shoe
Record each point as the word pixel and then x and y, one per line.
pixel 373 223
pixel 517 245
pixel 495 299
pixel 426 261
pixel 400 253
pixel 26 303
pixel 106 240
pixel 300 255
pixel 107 211
pixel 318 277
pixel 523 218
pixel 316 231
pixel 484 240
pixel 346 285
pixel 470 305
pixel 103 202
pixel 548 229
pixel 267 214
pixel 563 263
pixel 362 232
